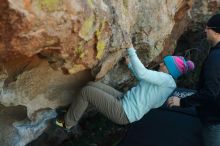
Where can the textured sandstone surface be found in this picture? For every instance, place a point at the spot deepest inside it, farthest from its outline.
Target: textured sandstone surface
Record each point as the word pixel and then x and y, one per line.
pixel 43 40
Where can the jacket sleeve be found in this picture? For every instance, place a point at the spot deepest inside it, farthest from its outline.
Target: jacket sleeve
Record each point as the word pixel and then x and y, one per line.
pixel 133 72
pixel 142 73
pixel 209 92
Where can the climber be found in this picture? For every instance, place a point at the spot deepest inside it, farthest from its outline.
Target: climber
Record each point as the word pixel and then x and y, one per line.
pixel 151 91
pixel 207 98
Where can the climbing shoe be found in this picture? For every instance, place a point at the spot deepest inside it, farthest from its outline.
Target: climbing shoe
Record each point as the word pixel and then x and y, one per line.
pixel 60 121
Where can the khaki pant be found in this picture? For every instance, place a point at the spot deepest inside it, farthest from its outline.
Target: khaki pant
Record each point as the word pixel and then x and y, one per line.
pixel 105 99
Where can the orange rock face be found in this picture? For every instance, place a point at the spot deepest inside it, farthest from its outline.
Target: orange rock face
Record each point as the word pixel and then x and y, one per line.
pixel 53 45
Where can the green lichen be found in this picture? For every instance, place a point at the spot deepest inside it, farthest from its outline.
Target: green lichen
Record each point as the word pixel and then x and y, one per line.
pixel 49 5
pixel 87 29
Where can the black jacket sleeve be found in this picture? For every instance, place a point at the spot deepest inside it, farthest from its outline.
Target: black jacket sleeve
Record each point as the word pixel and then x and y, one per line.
pixel 210 89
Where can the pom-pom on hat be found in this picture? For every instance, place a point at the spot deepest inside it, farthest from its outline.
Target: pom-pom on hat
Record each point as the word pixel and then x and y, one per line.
pixel 177 65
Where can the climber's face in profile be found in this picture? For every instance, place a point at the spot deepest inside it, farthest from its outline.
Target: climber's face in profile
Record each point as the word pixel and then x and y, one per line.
pixel 212 36
pixel 163 68
pixel 209 33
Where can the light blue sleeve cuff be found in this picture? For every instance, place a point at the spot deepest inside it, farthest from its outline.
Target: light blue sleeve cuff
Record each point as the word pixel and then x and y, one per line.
pixel 131 51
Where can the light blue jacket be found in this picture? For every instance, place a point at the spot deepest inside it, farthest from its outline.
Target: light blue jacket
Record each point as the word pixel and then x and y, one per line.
pixel 151 91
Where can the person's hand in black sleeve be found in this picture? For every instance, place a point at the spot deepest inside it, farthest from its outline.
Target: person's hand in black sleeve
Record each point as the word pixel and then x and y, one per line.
pixel 209 92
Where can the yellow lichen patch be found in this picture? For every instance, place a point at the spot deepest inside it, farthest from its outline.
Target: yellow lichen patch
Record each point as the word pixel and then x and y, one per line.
pixel 87 29
pixel 101 43
pixel 80 51
pixel 100 49
pixel 125 4
pixel 76 68
pixel 125 9
pixel 99 31
pixel 49 5
pixel 90 2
